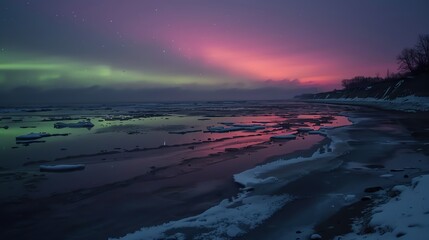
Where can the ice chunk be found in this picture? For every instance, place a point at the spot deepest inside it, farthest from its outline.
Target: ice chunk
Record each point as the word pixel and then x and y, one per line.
pixel 317 132
pixel 184 131
pixel 283 137
pixel 61 168
pixel 235 127
pixel 32 136
pixel 315 236
pixel 304 129
pixel 227 123
pixel 81 124
pixel 220 129
pixel 349 197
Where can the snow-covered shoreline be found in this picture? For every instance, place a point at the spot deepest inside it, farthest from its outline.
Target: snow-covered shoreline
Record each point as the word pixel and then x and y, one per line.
pixel 404 216
pixel 252 206
pixel 406 104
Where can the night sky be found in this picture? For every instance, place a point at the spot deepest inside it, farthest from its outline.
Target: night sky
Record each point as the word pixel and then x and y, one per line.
pixel 184 49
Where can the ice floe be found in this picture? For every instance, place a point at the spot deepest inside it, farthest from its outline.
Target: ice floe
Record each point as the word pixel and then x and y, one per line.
pixel 235 127
pixel 184 131
pixel 28 138
pixel 81 124
pixel 283 137
pixel 61 168
pixel 32 136
pixel 317 132
pixel 304 129
pixel 315 236
pixel 63 118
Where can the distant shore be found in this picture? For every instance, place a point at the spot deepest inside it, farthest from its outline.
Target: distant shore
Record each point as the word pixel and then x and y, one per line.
pixel 403 104
pixel 403 94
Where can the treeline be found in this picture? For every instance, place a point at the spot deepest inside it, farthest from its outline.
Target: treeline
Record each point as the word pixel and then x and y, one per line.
pixel 411 62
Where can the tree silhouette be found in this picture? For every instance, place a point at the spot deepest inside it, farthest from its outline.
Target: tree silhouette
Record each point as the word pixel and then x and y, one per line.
pixel 415 60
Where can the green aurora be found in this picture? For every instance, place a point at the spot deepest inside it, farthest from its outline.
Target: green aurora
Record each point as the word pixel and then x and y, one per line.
pixel 47 72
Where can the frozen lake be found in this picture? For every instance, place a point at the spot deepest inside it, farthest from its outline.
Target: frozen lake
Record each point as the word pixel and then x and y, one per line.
pixel 188 170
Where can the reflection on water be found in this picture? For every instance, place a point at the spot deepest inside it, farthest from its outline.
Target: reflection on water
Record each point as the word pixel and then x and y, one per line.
pixel 109 135
pixel 162 154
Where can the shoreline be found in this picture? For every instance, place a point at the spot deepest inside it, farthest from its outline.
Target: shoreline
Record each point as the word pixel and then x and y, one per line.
pixel 403 104
pixel 338 221
pixel 288 196
pixel 257 200
pixel 343 221
pixel 189 179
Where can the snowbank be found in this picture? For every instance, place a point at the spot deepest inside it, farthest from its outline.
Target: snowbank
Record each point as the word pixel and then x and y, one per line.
pixel 228 219
pixel 405 216
pixel 407 104
pixel 259 174
pixel 256 175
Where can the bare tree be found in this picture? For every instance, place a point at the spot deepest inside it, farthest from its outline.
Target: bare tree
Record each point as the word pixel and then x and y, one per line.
pixel 423 52
pixel 407 60
pixel 415 60
pixel 359 82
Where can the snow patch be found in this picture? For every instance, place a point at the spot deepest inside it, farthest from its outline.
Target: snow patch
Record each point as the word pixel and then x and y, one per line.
pixel 385 93
pixel 228 219
pixel 405 216
pixel 410 103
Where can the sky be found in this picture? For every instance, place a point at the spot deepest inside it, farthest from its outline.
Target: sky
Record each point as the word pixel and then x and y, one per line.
pixel 197 50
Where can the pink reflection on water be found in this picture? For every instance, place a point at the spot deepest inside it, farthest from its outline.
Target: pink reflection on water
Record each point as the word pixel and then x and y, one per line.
pixel 216 147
